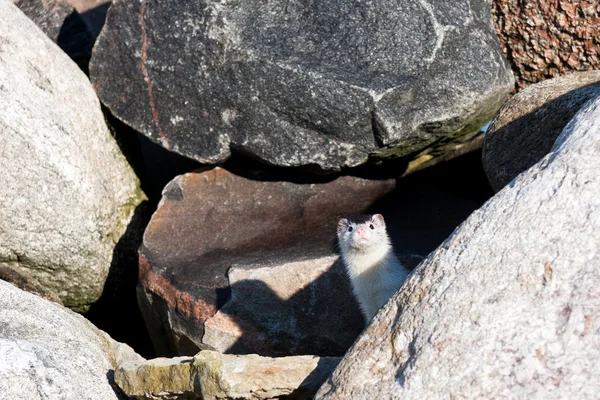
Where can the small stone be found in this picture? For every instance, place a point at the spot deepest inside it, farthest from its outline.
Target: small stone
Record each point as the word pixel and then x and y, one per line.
pixel 211 375
pixel 158 377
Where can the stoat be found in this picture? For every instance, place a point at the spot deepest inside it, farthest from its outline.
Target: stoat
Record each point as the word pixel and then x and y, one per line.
pixel 374 270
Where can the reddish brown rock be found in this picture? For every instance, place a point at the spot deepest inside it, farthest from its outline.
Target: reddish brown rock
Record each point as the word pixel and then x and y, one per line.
pixel 209 221
pixel 546 38
pixel 527 125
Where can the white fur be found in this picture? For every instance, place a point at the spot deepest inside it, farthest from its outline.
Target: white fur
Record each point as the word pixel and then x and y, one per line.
pixel 375 272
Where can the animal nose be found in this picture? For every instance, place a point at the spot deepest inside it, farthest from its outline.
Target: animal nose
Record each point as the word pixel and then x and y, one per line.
pixel 361 231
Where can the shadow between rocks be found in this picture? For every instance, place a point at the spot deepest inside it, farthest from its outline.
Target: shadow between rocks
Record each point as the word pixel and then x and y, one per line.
pixel 79 32
pixel 154 165
pixel 110 377
pixel 117 311
pixel 428 205
pixel 311 384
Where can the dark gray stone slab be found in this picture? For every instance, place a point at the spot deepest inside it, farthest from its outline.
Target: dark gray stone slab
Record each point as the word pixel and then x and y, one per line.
pixel 301 83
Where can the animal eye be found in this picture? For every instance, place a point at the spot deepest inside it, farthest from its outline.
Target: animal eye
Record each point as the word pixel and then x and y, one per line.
pixel 371 226
pixel 350 229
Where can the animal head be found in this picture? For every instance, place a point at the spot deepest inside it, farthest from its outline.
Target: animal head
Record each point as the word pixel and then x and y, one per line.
pixel 362 232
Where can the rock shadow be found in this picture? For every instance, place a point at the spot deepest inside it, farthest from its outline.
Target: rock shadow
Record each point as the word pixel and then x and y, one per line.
pixel 322 318
pixel 154 165
pixel 110 377
pixel 79 32
pixel 428 205
pixel 117 312
pixel 311 384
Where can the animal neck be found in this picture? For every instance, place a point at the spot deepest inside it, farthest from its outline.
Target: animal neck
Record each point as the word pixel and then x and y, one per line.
pixel 366 261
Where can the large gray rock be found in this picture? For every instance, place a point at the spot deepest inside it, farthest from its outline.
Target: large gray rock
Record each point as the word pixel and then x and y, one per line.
pixel 67 192
pixel 312 84
pixel 49 352
pixel 212 375
pixel 509 305
pixel 528 124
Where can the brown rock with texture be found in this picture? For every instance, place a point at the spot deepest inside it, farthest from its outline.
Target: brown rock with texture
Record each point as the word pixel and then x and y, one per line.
pixel 209 221
pixel 211 375
pixel 287 308
pixel 528 124
pixel 546 38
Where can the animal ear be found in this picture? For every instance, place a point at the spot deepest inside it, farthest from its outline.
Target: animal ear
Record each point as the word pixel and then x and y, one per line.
pixel 378 219
pixel 342 224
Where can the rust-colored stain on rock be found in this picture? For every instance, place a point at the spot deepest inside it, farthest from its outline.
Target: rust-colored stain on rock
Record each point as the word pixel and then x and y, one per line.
pixel 181 301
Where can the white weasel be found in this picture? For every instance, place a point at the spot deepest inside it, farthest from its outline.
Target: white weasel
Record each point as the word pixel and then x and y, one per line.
pixel 374 270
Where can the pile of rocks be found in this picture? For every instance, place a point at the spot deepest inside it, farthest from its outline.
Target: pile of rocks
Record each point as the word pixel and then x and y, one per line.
pixel 294 115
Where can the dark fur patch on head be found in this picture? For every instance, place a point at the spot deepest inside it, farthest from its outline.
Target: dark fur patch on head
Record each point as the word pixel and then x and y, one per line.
pixel 359 219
